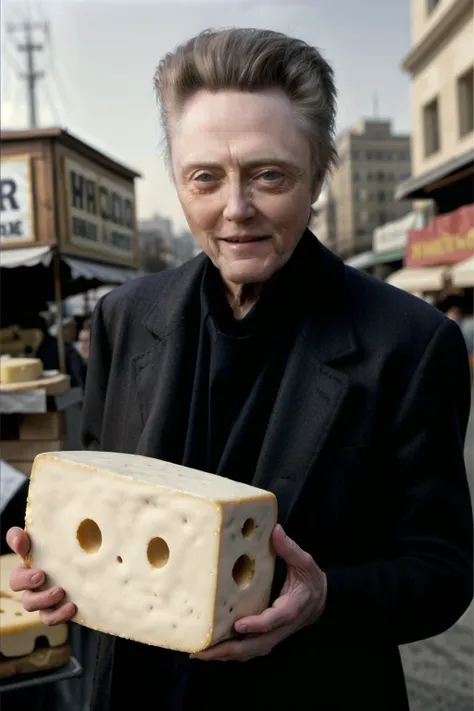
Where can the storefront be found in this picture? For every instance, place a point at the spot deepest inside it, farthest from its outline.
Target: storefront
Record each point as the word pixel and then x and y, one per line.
pixel 390 240
pixel 439 257
pixel 68 220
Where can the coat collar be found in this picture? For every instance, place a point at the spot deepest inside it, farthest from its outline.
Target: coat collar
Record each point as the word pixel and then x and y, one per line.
pixel 327 322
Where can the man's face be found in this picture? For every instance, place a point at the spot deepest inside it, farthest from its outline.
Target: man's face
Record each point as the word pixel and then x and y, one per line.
pixel 243 173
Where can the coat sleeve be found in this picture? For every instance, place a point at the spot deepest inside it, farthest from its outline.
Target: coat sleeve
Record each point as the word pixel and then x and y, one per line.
pixel 425 582
pixel 96 382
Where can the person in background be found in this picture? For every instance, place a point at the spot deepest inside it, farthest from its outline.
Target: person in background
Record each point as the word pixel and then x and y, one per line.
pixel 454 307
pixel 48 353
pixel 84 340
pixel 84 343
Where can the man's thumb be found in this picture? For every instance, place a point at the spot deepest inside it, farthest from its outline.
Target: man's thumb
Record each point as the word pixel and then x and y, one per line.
pixel 288 550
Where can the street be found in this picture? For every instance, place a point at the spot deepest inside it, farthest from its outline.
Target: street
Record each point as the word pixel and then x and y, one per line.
pixel 439 670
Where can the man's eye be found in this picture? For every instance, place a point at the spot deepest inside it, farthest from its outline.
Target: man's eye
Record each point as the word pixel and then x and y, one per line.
pixel 270 175
pixel 204 178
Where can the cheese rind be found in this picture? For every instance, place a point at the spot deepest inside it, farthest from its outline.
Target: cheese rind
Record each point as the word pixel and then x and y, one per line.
pixel 20 370
pixel 19 629
pixel 149 550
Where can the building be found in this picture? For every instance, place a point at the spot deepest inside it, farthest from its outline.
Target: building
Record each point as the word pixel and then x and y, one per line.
pixel 156 234
pixel 438 258
pixel 373 160
pixel 441 65
pixel 161 246
pixel 68 221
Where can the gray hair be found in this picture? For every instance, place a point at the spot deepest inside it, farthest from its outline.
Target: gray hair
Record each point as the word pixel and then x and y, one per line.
pixel 254 60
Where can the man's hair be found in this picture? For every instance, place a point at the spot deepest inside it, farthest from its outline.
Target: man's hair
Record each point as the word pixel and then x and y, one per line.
pixel 252 60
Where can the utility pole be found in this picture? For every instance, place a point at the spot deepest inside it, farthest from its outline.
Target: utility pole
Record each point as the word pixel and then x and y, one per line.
pixel 31 76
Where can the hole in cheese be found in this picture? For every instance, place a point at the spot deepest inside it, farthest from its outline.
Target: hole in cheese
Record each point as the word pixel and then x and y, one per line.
pixel 89 536
pixel 248 528
pixel 119 559
pixel 158 552
pixel 2 611
pixel 18 614
pixel 243 571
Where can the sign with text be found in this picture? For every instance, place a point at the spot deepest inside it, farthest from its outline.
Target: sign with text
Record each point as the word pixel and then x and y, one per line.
pixel 393 235
pixel 101 214
pixel 448 239
pixel 16 201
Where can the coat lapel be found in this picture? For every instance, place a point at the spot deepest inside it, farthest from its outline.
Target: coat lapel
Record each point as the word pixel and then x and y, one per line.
pixel 161 383
pixel 312 392
pixel 308 402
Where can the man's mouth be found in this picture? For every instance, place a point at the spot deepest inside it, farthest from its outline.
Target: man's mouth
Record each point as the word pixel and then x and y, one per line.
pixel 245 239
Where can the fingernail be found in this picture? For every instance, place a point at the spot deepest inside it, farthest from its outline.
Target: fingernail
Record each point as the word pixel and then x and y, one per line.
pixel 241 627
pixel 16 540
pixel 36 578
pixel 56 593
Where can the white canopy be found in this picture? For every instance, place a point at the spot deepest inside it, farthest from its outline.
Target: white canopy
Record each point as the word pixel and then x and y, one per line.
pixel 418 280
pixel 462 274
pixel 32 256
pixel 26 257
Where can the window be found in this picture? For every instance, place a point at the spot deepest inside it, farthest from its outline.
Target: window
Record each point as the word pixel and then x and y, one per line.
pixel 369 177
pixel 430 6
pixel 370 155
pixel 356 155
pixel 382 218
pixel 380 177
pixel 381 196
pixel 466 103
pixel 356 177
pixel 431 127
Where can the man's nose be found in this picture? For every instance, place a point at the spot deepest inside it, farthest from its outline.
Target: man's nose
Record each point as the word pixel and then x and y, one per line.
pixel 239 206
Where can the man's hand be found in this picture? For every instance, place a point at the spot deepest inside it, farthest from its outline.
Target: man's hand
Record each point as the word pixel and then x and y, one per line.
pixel 301 603
pixel 50 603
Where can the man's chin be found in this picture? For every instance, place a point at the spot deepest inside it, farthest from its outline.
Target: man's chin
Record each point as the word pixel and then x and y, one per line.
pixel 247 271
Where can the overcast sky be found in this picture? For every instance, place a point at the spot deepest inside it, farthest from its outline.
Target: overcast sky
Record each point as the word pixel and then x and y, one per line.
pixel 102 54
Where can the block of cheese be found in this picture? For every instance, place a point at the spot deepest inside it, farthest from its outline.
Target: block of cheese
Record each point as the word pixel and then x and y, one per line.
pixel 40 660
pixel 20 370
pixel 151 551
pixel 21 630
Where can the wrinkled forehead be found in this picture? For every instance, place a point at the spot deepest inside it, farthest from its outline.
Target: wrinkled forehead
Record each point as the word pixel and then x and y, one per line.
pixel 238 126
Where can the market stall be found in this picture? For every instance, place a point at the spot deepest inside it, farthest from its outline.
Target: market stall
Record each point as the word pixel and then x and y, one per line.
pixel 68 224
pixel 438 257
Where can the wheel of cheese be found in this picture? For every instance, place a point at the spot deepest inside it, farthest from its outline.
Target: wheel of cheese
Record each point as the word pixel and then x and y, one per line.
pixel 20 370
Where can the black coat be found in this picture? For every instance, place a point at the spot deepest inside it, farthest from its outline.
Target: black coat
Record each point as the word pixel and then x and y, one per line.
pixel 364 450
